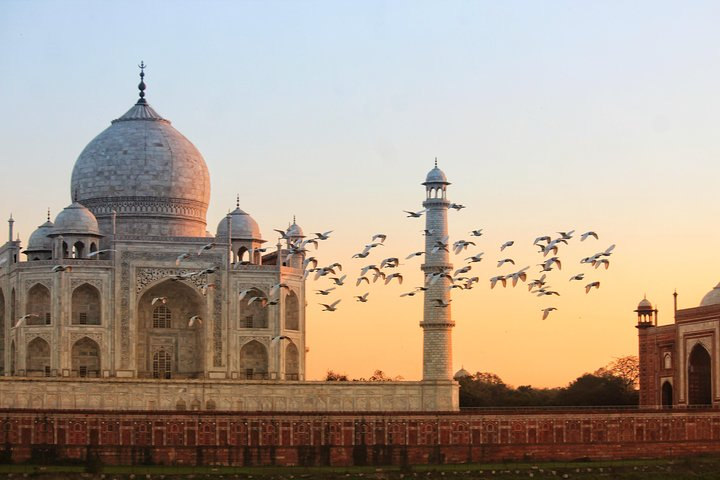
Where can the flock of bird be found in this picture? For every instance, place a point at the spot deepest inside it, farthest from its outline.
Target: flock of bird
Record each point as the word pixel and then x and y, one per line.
pixel 385 269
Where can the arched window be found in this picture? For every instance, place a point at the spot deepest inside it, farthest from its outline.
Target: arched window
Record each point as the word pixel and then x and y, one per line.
pixel 86 358
pixel 253 315
pixel 78 250
pixel 243 255
pixel 292 362
pixel 699 377
pixel 38 303
pixel 162 364
pixel 254 361
pixel 667 395
pixel 667 361
pixel 37 360
pixel 93 249
pixel 86 305
pixel 162 317
pixel 292 312
pixel 180 405
pixel 65 252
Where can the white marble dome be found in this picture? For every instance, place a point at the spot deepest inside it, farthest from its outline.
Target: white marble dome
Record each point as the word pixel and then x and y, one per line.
pixel 644 304
pixel 242 226
pixel 712 297
pixel 295 231
pixel 147 172
pixel 39 240
pixel 76 220
pixel 436 176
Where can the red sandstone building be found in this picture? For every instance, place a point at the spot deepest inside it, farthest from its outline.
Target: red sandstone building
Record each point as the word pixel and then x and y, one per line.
pixel 680 362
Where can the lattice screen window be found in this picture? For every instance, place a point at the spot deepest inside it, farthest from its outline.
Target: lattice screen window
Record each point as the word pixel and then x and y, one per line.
pixel 162 317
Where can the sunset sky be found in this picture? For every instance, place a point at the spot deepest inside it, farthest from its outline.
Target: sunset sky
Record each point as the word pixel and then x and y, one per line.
pixel 545 116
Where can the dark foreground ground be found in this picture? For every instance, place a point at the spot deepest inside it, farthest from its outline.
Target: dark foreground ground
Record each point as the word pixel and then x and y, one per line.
pixel 669 469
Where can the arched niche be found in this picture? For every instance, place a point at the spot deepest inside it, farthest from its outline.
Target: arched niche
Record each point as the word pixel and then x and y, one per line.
pixel 86 358
pixel 37 358
pixel 86 306
pixel 38 303
pixel 254 361
pixel 78 249
pixel 667 394
pixel 292 362
pixel 292 311
pixel 167 346
pixel 253 315
pixel 699 376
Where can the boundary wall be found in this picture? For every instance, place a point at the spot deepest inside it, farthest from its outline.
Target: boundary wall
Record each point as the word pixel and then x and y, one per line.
pixel 343 439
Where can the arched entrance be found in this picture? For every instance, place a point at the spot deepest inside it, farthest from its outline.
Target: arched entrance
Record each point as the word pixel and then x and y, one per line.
pixel 667 395
pixel 699 377
pixel 85 305
pixel 292 362
pixel 37 359
pixel 38 304
pixel 86 358
pixel 254 361
pixel 168 347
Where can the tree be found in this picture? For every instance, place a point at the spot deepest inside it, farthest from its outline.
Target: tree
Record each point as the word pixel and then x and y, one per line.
pixel 627 368
pixel 378 376
pixel 597 390
pixel 335 377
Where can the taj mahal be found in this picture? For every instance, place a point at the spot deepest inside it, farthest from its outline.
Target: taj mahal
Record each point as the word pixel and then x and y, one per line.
pixel 127 300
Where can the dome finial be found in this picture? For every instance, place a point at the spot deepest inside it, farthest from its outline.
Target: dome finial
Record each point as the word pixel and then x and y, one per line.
pixel 237 201
pixel 142 86
pixel 48 217
pixel 294 222
pixel 435 162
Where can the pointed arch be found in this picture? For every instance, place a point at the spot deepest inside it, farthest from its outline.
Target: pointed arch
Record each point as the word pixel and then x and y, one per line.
pixel 164 327
pixel 254 361
pixel 243 255
pixel 292 362
pixel 12 358
pixel 253 315
pixel 699 376
pixel 38 303
pixel 86 358
pixel 292 311
pixel 37 358
pixel 86 305
pixel 78 250
pixel 667 394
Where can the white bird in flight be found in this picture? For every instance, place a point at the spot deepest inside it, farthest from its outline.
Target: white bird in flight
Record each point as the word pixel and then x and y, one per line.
pixel 330 308
pixel 379 236
pixel 589 286
pixel 98 252
pixel 389 278
pixel 162 300
pixel 509 243
pixel 22 319
pixel 205 248
pixel 476 233
pixel 588 234
pixel 325 292
pixel 193 320
pixel 362 298
pixel 476 258
pixel 414 214
pixel 62 268
pixel 323 236
pixel 504 261
pixel 546 311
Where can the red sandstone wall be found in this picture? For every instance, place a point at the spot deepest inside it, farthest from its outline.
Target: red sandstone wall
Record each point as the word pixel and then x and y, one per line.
pixel 207 438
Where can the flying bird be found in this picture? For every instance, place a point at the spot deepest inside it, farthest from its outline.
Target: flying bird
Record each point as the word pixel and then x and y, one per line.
pixel 308 261
pixel 162 300
pixel 579 276
pixel 362 298
pixel 519 275
pixel 390 262
pixel 362 279
pixel 181 257
pixel 323 236
pixel 62 268
pixel 98 252
pixel 367 268
pixel 379 236
pixel 546 311
pixel 261 300
pixel 566 235
pixel 476 233
pixel 509 243
pixel 205 248
pixel 193 320
pixel 588 234
pixel 476 258
pixel 591 285
pixel 244 292
pixel 543 238
pixel 537 283
pixel 339 281
pixel 495 280
pixel 464 269
pixel 441 303
pixel 22 319
pixel 504 261
pixel 276 288
pixel 414 254
pixel 547 264
pixel 456 206
pixel 330 308
pixel 602 261
pixel 414 214
pixel 461 245
pixel 389 278
pixel 325 292
pixel 279 337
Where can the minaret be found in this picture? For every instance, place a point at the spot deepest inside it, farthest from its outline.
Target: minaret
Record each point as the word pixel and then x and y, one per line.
pixel 437 321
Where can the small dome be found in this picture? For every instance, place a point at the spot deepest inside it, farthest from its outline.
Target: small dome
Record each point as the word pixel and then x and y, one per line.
pixel 242 226
pixel 76 220
pixel 39 240
pixel 436 176
pixel 295 231
pixel 462 373
pixel 712 297
pixel 644 304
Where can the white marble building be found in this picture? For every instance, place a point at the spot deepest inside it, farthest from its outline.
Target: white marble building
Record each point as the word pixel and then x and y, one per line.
pixel 105 294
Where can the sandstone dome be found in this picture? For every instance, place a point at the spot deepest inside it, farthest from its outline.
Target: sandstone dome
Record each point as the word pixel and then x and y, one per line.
pixel 712 297
pixel 295 231
pixel 147 172
pixel 644 304
pixel 436 176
